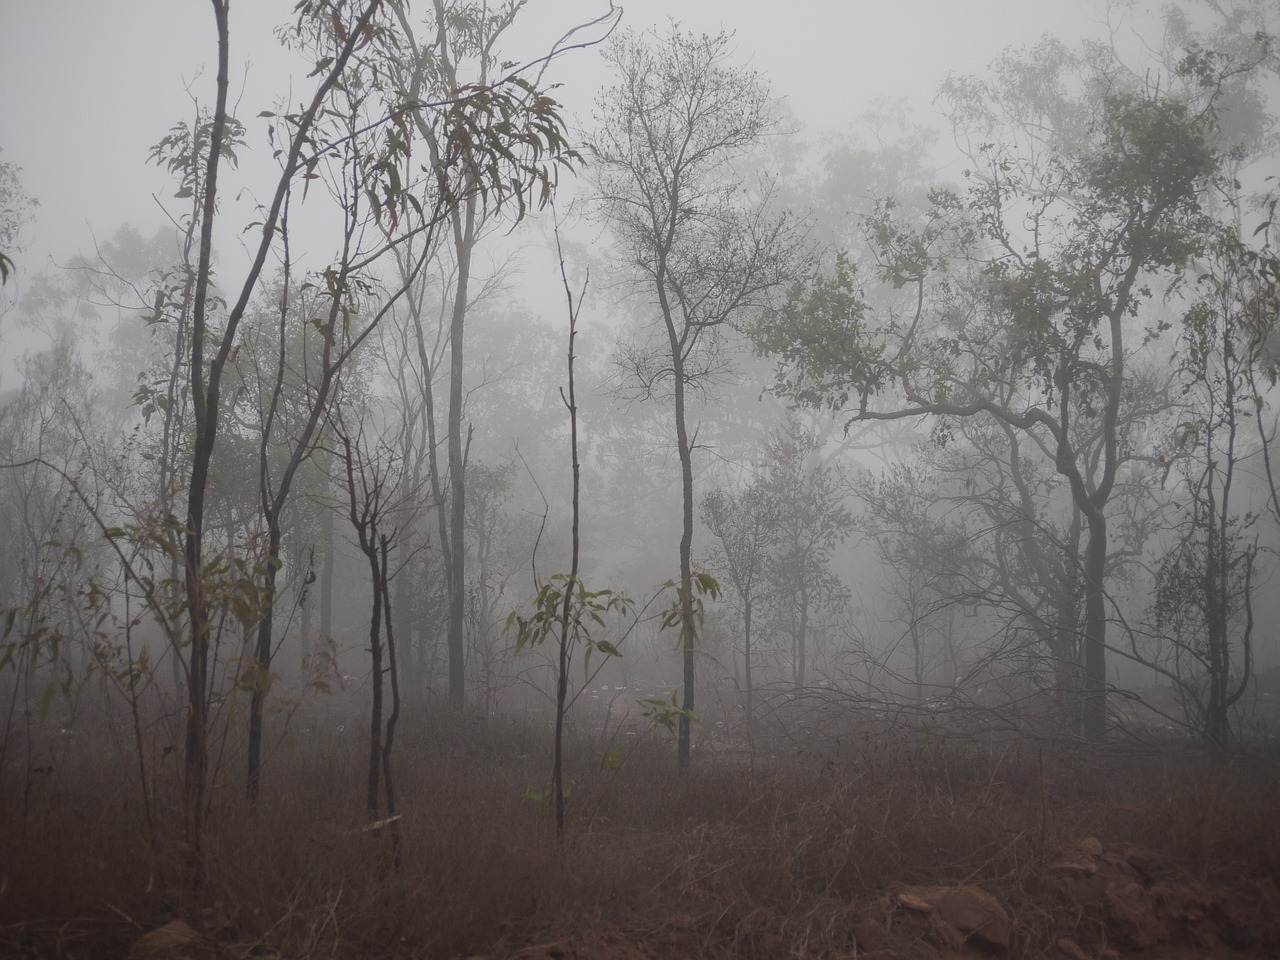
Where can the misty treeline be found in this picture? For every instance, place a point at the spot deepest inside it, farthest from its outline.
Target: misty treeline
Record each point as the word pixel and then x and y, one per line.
pixel 970 426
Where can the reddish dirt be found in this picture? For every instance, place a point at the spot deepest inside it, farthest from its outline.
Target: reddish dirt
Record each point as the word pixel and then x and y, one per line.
pixel 1125 902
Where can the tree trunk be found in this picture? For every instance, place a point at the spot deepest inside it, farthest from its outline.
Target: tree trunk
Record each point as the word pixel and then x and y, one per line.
pixel 205 404
pixel 1094 705
pixel 802 638
pixel 375 655
pixel 746 660
pixel 326 579
pixel 686 567
pixel 464 240
pixel 393 717
pixel 262 665
pixel 305 555
pixel 403 622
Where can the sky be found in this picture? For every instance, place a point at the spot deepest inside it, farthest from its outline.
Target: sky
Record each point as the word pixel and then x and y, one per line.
pixel 88 86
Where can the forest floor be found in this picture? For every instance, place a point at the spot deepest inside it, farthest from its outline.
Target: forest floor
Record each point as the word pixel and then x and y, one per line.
pixel 823 835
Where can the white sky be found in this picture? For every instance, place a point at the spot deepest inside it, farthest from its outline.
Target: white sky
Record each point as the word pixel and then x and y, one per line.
pixel 87 86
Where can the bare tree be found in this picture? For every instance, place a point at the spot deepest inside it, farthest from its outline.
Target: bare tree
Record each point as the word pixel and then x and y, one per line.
pixel 699 243
pixel 370 466
pixel 744 523
pixel 1204 599
pixel 807 500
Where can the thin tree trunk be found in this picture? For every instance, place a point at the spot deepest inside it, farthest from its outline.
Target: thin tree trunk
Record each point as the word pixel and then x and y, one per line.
pixel 205 403
pixel 262 665
pixel 394 716
pixel 802 636
pixel 746 660
pixel 326 578
pixel 375 654
pixel 464 240
pixel 1094 706
pixel 686 567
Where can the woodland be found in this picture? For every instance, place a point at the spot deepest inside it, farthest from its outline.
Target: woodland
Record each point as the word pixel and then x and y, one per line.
pixel 662 533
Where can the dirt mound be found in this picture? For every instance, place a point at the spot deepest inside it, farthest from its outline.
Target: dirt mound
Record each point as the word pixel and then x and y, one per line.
pixel 1125 901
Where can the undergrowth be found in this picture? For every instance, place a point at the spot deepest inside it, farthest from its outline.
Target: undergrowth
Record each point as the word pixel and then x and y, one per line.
pixel 765 847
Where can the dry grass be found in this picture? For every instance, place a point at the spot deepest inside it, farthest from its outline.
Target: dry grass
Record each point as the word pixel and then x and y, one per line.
pixel 764 850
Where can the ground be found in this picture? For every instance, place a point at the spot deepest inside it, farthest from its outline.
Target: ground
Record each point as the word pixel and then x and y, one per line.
pixel 819 835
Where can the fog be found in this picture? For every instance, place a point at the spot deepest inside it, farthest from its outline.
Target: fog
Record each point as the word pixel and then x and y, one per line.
pixel 684 391
pixel 88 103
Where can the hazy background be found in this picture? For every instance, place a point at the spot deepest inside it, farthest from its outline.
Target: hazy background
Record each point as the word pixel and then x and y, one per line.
pixel 88 87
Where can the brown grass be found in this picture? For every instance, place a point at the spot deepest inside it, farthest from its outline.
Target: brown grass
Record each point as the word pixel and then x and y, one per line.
pixel 767 848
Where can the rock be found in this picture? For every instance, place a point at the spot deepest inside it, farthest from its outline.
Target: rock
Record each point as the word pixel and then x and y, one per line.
pixel 1074 863
pixel 1131 917
pixel 974 913
pixel 174 940
pixel 870 936
pixel 943 935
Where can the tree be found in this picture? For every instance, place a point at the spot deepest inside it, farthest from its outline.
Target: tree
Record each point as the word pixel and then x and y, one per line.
pixel 49 534
pixel 564 608
pixel 1204 597
pixel 506 135
pixel 1080 206
pixel 371 488
pixel 490 491
pixel 701 248
pixel 745 525
pixel 807 506
pixel 16 209
pixel 438 69
pixel 463 55
pixel 925 556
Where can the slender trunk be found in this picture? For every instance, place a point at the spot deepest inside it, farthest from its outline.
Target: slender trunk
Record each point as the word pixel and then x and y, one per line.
pixel 375 654
pixel 205 402
pixel 403 624
pixel 562 696
pixel 1094 705
pixel 802 636
pixel 1217 581
pixel 177 661
pixel 437 488
pixel 1068 659
pixel 746 660
pixel 393 717
pixel 326 578
pixel 464 240
pixel 686 567
pixel 306 641
pixel 566 637
pixel 262 665
pixel 917 652
pixel 174 415
pixel 303 561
